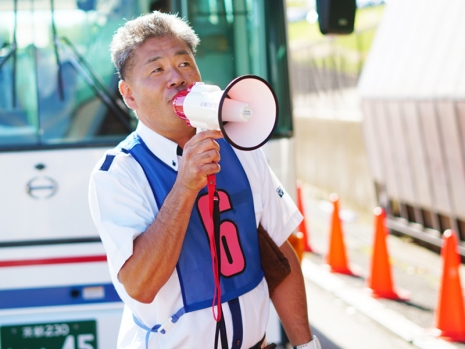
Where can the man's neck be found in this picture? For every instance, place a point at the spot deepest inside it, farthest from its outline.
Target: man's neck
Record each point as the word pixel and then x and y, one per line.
pixel 181 136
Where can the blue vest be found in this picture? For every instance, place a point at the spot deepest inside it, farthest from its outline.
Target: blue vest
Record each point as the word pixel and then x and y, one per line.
pixel 241 269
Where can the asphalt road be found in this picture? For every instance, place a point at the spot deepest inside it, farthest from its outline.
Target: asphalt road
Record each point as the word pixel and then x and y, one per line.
pixel 339 325
pixel 341 309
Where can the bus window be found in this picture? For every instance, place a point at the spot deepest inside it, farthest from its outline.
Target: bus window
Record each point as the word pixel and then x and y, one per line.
pixel 59 85
pixel 244 37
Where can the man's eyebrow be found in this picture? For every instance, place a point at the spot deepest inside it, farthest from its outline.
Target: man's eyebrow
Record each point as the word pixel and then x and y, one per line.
pixel 156 58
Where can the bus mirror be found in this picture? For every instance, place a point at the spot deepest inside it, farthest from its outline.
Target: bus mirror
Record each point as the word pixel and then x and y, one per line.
pixel 86 5
pixel 336 16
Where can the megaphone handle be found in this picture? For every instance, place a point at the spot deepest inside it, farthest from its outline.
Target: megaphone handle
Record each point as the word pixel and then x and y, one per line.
pixel 211 181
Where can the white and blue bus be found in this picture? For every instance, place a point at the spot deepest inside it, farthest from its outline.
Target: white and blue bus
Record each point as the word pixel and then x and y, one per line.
pixel 59 112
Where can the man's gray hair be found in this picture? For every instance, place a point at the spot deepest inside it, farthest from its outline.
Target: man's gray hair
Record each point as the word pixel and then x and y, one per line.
pixel 152 25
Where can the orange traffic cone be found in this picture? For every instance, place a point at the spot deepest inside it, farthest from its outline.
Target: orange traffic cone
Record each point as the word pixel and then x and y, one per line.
pixel 450 313
pixel 297 242
pixel 380 280
pixel 337 257
pixel 303 225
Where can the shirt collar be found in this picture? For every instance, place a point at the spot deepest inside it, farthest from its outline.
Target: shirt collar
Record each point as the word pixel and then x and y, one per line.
pixel 163 148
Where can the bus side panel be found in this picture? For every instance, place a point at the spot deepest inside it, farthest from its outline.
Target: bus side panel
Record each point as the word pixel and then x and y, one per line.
pixel 44 194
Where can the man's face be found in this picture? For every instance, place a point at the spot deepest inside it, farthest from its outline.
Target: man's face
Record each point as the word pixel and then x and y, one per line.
pixel 161 68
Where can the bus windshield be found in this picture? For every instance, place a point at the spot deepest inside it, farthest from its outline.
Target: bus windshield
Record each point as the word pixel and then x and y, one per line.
pixel 57 82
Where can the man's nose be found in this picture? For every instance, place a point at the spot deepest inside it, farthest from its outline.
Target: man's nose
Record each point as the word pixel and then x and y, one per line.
pixel 176 79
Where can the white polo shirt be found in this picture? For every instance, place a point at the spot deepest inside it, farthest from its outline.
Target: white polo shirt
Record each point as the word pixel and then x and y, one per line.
pixel 123 206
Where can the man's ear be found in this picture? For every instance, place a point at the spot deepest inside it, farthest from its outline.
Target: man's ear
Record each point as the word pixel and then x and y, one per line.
pixel 126 92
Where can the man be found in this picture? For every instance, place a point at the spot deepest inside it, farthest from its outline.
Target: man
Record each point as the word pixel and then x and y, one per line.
pixel 147 201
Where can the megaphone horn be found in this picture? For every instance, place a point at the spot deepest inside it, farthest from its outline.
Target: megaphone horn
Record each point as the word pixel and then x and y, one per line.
pixel 246 111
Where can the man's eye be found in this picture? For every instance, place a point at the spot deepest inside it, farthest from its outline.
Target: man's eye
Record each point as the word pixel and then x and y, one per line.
pixel 185 64
pixel 157 70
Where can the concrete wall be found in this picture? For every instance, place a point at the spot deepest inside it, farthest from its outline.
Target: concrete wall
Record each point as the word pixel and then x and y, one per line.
pixel 331 156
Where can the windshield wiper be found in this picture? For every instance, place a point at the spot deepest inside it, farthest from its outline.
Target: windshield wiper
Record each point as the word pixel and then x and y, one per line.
pixel 57 54
pixel 90 76
pixel 93 80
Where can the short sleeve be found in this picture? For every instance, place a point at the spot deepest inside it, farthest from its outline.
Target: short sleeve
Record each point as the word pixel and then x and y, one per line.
pixel 120 202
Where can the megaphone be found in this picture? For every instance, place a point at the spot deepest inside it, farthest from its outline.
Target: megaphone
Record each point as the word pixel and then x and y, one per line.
pixel 246 111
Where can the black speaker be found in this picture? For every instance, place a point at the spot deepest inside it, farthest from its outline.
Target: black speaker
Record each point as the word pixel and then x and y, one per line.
pixel 336 16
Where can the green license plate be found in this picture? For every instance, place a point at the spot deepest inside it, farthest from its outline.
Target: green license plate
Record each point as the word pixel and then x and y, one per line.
pixel 57 335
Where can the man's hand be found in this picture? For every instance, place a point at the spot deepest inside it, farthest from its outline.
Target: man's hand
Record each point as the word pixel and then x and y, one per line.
pixel 200 158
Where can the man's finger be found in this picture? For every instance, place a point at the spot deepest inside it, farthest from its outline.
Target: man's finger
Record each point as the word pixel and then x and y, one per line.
pixel 215 134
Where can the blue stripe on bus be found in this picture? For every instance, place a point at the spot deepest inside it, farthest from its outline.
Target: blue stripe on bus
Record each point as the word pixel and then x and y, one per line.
pixel 52 296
